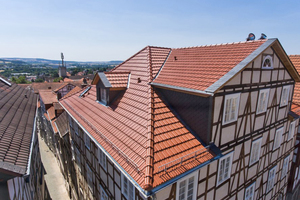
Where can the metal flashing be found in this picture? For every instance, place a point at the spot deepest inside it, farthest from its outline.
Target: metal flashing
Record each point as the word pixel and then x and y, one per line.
pixel 239 67
pixel 183 89
pixel 85 91
pixel 104 80
pixel 5 81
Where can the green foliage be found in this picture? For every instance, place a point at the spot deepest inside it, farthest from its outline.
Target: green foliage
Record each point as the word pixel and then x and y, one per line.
pixel 58 79
pixel 39 80
pixel 20 80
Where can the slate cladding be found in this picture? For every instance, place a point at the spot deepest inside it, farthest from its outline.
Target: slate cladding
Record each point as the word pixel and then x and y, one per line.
pixel 17 114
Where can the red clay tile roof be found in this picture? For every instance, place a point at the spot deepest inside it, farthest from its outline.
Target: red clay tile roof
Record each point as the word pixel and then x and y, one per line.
pixel 199 67
pixel 139 124
pixel 48 96
pixel 296 62
pixel 51 112
pixel 46 86
pixel 62 86
pixel 73 91
pixel 117 79
pixel 54 126
pixel 17 113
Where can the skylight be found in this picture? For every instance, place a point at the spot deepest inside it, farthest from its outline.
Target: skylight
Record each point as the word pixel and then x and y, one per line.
pixel 85 91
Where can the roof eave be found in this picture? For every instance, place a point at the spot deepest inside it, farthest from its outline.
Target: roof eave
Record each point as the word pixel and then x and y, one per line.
pixel 182 89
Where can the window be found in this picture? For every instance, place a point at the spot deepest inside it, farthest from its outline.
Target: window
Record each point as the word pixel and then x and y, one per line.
pixel 89 177
pixel 87 141
pixel 262 101
pixel 267 62
pixel 103 195
pixel 285 95
pixel 249 192
pixel 102 158
pixel 103 95
pixel 127 188
pixel 78 160
pixel 255 151
pixel 271 179
pixel 231 107
pixel 292 130
pixel 224 168
pixel 186 189
pixel 76 128
pixel 278 138
pixel 70 121
pixel 285 167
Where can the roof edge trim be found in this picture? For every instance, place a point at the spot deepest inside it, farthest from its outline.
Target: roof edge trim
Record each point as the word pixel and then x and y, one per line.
pixel 5 81
pixel 183 89
pixel 162 65
pixel 239 67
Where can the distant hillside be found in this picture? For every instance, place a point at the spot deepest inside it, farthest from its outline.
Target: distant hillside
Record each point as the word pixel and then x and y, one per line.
pixel 54 63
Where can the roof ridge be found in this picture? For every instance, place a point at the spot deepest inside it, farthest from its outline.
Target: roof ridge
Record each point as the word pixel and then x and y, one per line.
pixel 148 184
pixel 221 44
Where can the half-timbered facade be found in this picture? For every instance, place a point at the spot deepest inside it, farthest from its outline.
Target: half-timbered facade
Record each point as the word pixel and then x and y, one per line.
pixel 294 179
pixel 192 123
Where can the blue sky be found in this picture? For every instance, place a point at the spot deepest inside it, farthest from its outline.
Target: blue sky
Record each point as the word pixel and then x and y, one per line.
pixel 97 30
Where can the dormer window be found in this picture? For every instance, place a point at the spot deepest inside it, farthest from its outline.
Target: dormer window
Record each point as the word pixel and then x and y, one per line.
pixel 109 85
pixel 267 62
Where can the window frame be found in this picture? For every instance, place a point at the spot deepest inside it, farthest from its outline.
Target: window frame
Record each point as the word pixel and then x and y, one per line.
pixel 227 156
pixel 129 184
pixel 186 189
pixel 89 177
pixel 103 95
pixel 87 141
pixel 285 100
pixel 252 186
pixel 268 186
pixel 102 159
pixel 251 162
pixel 278 137
pixel 229 97
pixel 285 167
pixel 291 130
pixel 103 191
pixel 271 60
pixel 265 106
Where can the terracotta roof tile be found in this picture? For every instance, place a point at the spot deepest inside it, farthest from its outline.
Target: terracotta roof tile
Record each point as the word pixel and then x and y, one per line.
pixel 199 67
pixel 48 96
pixel 17 112
pixel 46 86
pixel 296 62
pixel 124 128
pixel 118 79
pixel 62 124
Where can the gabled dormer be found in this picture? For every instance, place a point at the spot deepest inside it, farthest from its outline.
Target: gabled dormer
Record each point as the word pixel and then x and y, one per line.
pixel 109 85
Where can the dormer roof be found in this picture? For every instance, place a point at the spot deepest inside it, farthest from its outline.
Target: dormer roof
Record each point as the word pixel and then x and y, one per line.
pixel 114 80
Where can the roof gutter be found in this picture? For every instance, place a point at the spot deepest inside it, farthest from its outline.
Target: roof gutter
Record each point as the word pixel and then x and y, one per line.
pixel 32 141
pixel 183 89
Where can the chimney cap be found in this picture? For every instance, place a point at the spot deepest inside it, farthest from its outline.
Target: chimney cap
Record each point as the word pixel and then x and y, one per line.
pixel 251 37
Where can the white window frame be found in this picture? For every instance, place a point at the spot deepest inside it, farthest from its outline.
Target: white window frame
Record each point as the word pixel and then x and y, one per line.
pixel 285 95
pixel 89 177
pixel 292 130
pixel 262 103
pixel 186 189
pixel 126 186
pixel 231 116
pixel 103 194
pixel 255 151
pixel 87 141
pixel 103 95
pixel 102 159
pixel 278 138
pixel 271 62
pixel 285 167
pixel 271 179
pixel 222 172
pixel 250 192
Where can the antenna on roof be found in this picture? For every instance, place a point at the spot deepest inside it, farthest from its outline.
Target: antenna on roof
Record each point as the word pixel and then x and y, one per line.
pixel 263 36
pixel 251 37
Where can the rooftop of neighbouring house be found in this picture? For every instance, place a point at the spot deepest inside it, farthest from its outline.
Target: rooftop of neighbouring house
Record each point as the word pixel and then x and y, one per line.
pixel 296 97
pixel 62 124
pixel 48 96
pixel 139 129
pixel 17 114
